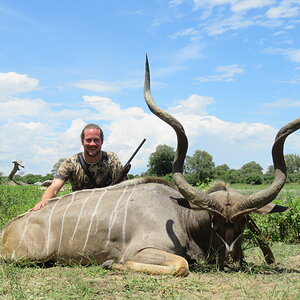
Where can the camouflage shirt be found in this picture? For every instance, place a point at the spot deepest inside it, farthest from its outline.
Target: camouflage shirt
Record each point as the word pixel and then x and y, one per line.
pixel 103 171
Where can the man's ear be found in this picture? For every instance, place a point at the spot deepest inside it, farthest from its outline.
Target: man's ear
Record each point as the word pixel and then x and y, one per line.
pixel 272 208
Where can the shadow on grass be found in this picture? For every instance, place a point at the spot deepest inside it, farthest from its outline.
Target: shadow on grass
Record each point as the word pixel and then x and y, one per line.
pixel 247 268
pixel 46 265
pixel 200 267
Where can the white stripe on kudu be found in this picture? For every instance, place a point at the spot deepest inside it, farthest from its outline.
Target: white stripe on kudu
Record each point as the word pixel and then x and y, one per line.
pixel 113 216
pixel 91 221
pixel 24 230
pixel 79 216
pixel 125 216
pixel 63 220
pixel 49 227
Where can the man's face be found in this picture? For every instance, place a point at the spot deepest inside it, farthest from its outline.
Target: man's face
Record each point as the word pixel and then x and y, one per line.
pixel 92 142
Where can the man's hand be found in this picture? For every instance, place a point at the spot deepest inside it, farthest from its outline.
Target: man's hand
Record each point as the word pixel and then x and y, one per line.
pixel 49 193
pixel 40 204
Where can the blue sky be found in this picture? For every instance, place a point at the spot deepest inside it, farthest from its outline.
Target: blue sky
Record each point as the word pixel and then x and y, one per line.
pixel 229 70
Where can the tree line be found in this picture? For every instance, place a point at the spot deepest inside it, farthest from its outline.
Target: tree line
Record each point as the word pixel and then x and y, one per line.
pixel 200 168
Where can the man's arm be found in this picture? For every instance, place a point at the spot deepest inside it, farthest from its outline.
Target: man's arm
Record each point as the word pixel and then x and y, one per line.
pixel 50 192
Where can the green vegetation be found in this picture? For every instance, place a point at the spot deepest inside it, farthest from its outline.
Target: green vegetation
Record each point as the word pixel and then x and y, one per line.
pixel 160 161
pixel 200 168
pixel 15 200
pixel 282 226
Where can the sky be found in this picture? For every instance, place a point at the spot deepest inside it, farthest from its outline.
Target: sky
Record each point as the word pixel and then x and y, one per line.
pixel 228 70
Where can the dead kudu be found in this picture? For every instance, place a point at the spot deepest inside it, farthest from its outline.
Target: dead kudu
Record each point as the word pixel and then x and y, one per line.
pixel 144 224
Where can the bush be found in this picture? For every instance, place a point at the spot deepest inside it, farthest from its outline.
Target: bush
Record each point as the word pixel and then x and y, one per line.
pixel 168 177
pixel 192 178
pixel 254 178
pixel 282 226
pixel 294 177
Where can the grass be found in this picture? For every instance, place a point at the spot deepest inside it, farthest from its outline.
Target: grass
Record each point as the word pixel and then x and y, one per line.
pixel 258 281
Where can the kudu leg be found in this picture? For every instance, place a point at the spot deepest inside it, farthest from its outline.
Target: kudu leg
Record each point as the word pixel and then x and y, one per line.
pixel 154 261
pixel 261 241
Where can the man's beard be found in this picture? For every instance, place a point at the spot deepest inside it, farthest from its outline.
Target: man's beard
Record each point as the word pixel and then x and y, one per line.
pixel 92 153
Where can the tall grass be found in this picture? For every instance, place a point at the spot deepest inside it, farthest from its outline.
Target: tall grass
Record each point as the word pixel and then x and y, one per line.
pixel 279 226
pixel 15 200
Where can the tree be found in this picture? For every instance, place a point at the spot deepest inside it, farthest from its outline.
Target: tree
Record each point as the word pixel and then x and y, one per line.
pixel 254 178
pixel 56 165
pixel 269 175
pixel 292 162
pixel 234 176
pixel 202 164
pixel 252 173
pixel 251 167
pixel 161 161
pixel 221 172
pixel 32 178
pixel 192 178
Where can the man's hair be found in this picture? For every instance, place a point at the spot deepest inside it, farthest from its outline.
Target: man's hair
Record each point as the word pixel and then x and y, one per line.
pixel 91 126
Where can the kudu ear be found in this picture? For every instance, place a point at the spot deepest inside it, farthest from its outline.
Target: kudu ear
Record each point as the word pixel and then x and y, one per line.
pixel 272 208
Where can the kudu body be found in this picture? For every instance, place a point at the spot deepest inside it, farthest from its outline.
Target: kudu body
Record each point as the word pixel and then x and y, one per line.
pixel 144 224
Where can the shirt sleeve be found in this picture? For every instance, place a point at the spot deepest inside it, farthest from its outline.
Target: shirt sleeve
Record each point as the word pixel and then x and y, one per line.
pixel 64 170
pixel 115 164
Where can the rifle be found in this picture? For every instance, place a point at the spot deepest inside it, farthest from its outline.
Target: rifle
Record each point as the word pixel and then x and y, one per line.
pixel 127 166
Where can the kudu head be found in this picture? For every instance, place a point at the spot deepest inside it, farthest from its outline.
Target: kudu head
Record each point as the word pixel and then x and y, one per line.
pixel 228 209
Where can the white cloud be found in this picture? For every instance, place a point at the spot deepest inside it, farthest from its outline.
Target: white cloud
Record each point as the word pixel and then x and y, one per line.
pixel 283 103
pixel 174 3
pixel 14 107
pixel 236 6
pixel 194 104
pixel 106 108
pixel 40 145
pixel 211 3
pixel 97 85
pixel 227 15
pixel 105 86
pixel 285 9
pixel 295 80
pixel 227 73
pixel 190 52
pixel 12 83
pixel 19 138
pixel 233 22
pixel 291 54
pixel 191 32
pixel 239 6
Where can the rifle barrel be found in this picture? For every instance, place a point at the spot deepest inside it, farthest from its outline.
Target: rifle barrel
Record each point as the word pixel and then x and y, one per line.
pixel 135 152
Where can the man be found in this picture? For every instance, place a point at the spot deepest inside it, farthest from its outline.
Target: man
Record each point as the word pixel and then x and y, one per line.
pixel 103 166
